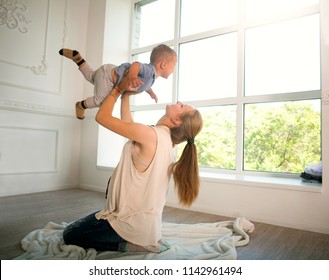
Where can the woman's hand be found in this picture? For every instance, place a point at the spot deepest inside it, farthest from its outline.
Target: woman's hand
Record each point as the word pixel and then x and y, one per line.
pixel 126 85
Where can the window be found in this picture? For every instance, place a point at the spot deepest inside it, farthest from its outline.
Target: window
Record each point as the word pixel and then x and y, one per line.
pixel 217 143
pixel 281 136
pixel 283 56
pixel 253 69
pixel 197 16
pixel 147 14
pixel 213 68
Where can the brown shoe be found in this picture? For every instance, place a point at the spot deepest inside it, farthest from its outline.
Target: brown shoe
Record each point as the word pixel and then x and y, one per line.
pixel 79 111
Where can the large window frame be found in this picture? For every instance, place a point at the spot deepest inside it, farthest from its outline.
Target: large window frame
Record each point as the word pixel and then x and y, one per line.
pixel 240 100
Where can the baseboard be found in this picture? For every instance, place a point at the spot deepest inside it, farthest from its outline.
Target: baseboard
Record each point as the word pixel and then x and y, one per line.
pixel 259 219
pixel 92 188
pixel 29 191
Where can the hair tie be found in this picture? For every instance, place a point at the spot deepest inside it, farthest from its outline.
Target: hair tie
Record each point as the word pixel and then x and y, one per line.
pixel 190 141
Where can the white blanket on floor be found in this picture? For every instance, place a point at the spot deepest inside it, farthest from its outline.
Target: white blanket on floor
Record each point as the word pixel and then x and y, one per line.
pixel 216 241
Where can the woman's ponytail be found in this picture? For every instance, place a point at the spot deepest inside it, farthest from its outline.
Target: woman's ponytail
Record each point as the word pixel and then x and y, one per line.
pixel 186 170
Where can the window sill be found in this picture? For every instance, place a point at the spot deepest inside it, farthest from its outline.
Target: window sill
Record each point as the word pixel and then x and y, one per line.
pixel 261 181
pixel 254 181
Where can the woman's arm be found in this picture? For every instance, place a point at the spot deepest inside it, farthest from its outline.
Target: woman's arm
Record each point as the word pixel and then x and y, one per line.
pixel 125 108
pixel 139 133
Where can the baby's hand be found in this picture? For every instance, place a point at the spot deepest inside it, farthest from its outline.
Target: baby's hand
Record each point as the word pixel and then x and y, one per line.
pixel 134 82
pixel 126 84
pixel 153 96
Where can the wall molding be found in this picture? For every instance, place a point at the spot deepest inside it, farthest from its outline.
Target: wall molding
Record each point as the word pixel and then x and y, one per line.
pixel 36 109
pixel 51 10
pixel 54 92
pixel 12 12
pixel 13 16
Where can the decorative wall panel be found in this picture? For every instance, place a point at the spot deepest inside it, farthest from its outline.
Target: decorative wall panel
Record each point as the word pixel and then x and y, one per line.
pixel 25 150
pixel 32 32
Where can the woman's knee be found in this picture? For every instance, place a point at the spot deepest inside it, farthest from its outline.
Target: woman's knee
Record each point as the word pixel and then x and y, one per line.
pixel 67 235
pixel 70 234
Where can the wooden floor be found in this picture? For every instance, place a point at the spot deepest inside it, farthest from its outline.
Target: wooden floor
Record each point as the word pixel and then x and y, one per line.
pixel 22 214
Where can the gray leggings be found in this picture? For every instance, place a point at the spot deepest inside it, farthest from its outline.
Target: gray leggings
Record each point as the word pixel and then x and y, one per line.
pixel 102 81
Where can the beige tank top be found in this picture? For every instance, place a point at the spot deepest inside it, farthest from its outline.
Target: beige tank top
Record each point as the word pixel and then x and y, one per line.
pixel 136 199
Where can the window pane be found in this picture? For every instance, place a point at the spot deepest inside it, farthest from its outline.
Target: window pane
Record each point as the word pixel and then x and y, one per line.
pixel 282 136
pixel 217 140
pixel 197 16
pixel 161 87
pixel 208 68
pixel 283 57
pixel 260 9
pixel 154 22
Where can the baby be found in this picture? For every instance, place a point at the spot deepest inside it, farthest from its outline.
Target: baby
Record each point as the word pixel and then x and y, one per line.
pixel 141 76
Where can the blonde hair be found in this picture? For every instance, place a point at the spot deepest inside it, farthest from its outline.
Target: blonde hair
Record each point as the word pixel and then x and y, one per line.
pixel 161 52
pixel 186 170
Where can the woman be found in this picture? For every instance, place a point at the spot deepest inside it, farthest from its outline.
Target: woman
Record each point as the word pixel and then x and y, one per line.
pixel 131 220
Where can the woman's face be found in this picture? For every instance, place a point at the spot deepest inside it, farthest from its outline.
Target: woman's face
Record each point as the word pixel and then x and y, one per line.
pixel 176 110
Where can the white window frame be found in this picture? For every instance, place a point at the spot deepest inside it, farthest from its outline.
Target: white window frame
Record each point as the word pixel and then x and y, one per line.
pixel 238 174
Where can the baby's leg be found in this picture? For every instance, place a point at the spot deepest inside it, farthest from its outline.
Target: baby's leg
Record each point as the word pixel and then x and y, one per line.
pixel 103 84
pixel 80 109
pixel 92 102
pixel 72 54
pixel 98 79
pixel 84 67
pixel 87 72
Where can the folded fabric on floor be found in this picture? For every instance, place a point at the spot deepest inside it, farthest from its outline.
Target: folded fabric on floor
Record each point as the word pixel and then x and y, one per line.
pixel 215 241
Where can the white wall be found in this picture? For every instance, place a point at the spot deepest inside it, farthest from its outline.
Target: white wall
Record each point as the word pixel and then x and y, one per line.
pixel 37 109
pixel 112 18
pixel 39 134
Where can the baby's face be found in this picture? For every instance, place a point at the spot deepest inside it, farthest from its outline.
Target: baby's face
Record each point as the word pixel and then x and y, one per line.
pixel 170 67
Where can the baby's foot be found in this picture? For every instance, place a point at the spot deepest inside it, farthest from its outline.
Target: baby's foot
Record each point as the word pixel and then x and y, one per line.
pixel 72 54
pixel 79 111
